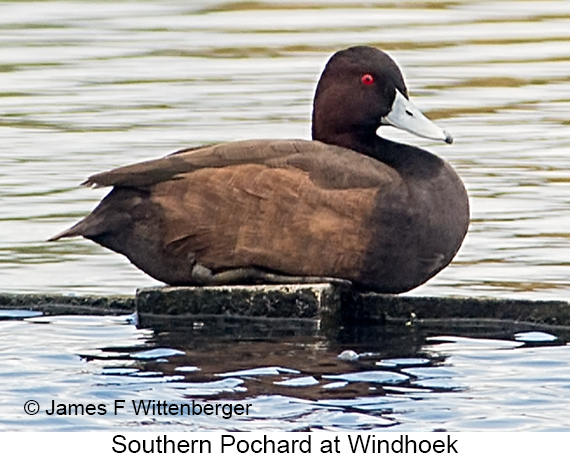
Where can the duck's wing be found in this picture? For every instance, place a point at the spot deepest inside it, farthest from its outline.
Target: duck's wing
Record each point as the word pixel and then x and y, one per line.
pixel 328 166
pixel 148 173
pixel 300 208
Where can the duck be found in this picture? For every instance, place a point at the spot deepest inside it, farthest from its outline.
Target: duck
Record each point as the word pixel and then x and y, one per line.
pixel 347 205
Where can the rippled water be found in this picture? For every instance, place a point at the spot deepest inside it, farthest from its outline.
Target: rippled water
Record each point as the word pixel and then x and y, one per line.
pixel 88 86
pixel 369 378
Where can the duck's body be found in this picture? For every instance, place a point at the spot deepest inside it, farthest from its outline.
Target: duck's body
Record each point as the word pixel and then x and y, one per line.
pixel 347 205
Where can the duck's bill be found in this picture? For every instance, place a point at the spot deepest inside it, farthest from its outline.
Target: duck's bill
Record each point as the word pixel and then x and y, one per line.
pixel 404 115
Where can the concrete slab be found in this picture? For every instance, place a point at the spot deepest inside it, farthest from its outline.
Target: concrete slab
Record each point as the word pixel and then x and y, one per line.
pixel 328 304
pixel 306 301
pixel 69 304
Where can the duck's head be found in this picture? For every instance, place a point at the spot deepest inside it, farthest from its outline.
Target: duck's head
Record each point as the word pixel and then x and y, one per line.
pixel 360 89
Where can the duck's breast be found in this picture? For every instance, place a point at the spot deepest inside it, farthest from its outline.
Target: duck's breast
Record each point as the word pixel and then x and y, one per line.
pixel 419 227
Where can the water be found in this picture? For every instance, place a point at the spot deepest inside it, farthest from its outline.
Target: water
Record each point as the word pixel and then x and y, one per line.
pixel 85 87
pixel 395 379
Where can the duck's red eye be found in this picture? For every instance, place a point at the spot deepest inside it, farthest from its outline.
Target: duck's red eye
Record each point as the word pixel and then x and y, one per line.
pixel 367 79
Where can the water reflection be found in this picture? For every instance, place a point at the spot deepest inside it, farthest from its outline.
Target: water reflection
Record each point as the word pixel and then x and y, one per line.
pixel 400 377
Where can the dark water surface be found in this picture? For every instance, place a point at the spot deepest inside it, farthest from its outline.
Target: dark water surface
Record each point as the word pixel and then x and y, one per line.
pixel 87 86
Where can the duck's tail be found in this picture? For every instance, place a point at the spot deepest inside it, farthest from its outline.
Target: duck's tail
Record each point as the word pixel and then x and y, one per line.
pixel 111 216
pixel 93 225
pixel 69 233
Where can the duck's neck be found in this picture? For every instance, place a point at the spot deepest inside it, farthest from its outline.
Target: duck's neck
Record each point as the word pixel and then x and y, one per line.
pixel 364 141
pixel 406 159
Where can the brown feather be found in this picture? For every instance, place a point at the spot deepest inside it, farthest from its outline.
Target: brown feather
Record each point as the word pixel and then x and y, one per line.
pixel 277 218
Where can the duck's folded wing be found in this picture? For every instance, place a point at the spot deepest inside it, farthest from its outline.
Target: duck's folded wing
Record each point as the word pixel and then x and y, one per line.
pixel 144 174
pixel 328 166
pixel 295 207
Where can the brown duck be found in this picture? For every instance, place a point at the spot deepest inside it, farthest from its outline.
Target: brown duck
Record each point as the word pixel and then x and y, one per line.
pixel 348 205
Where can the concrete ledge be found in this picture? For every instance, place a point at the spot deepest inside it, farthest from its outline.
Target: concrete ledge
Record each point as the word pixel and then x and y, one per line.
pixel 305 301
pixel 328 304
pixel 69 304
pixel 394 307
pixel 338 304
